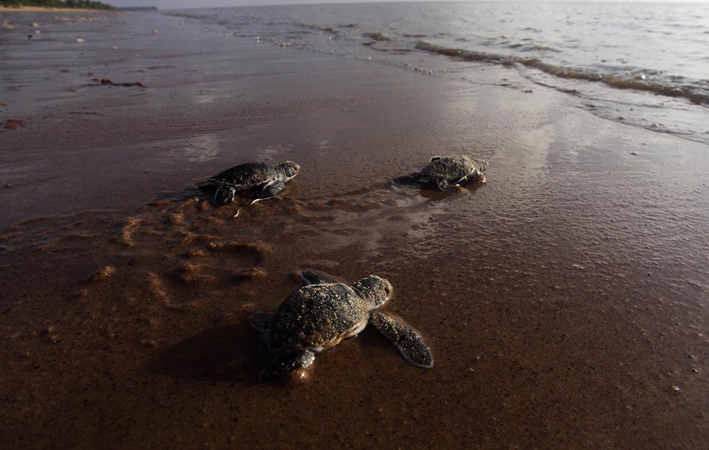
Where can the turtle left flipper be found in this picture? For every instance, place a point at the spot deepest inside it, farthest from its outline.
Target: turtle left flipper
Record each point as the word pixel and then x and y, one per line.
pixel 409 342
pixel 313 277
pixel 443 185
pixel 261 321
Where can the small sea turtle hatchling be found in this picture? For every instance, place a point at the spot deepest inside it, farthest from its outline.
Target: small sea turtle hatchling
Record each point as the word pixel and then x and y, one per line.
pixel 270 178
pixel 450 171
pixel 320 315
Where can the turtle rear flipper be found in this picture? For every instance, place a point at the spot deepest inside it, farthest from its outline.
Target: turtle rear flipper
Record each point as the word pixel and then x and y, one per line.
pixel 287 363
pixel 410 180
pixel 409 342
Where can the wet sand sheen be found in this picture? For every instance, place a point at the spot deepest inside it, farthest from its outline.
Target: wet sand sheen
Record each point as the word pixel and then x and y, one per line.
pixel 564 301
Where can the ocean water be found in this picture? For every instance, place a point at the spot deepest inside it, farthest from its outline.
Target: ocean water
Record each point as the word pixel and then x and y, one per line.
pixel 644 64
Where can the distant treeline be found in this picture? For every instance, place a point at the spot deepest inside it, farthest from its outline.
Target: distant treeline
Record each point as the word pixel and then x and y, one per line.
pixel 57 4
pixel 138 8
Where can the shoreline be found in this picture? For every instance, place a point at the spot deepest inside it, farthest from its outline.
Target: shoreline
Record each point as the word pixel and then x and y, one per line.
pixel 46 9
pixel 563 300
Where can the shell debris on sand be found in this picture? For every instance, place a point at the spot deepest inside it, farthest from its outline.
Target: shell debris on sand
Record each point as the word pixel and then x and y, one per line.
pixel 103 274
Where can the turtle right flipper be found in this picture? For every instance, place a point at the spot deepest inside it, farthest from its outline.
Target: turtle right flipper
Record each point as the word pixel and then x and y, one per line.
pixel 270 190
pixel 409 342
pixel 287 363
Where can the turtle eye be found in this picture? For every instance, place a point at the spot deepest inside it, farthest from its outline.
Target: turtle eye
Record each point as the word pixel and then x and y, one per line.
pixel 291 169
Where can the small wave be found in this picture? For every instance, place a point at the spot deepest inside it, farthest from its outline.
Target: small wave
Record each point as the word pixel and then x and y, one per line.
pixel 533 48
pixel 378 36
pixel 611 80
pixel 313 26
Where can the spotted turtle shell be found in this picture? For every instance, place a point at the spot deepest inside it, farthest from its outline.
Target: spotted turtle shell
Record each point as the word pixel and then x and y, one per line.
pixel 248 175
pixel 317 316
pixel 450 168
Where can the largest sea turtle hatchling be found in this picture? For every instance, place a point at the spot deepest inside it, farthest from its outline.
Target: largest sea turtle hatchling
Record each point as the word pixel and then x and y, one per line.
pixel 270 178
pixel 447 172
pixel 320 315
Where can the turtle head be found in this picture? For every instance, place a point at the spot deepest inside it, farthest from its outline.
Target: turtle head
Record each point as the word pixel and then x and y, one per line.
pixel 374 289
pixel 224 195
pixel 482 164
pixel 289 169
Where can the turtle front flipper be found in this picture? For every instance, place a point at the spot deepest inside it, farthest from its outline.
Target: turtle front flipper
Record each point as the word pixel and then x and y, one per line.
pixel 409 342
pixel 270 190
pixel 224 195
pixel 443 185
pixel 287 363
pixel 261 321
pixel 209 184
pixel 474 177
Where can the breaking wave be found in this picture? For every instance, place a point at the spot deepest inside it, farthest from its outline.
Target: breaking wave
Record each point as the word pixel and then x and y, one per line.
pixel 691 93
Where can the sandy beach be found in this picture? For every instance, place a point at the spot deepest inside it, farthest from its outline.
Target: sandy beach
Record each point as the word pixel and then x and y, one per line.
pixel 565 300
pixel 39 9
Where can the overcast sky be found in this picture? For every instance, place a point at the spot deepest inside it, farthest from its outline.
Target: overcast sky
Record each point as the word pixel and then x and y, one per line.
pixel 178 4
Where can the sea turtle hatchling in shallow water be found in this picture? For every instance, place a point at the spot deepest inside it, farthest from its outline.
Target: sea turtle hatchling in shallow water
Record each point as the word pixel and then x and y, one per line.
pixel 447 172
pixel 271 178
pixel 320 315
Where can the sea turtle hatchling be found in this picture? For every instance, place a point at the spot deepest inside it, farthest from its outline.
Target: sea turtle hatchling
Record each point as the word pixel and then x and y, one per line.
pixel 270 178
pixel 450 171
pixel 320 315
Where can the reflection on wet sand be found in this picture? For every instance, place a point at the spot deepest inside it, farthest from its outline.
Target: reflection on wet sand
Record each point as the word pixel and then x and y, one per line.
pixel 198 149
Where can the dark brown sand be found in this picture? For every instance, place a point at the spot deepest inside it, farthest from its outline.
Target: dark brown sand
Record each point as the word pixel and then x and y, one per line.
pixel 565 300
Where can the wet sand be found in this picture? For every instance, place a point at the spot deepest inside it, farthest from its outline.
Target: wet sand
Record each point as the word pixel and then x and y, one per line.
pixel 564 300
